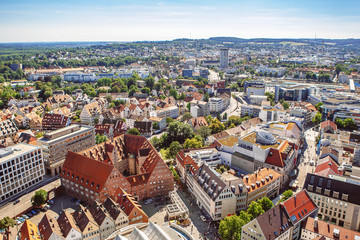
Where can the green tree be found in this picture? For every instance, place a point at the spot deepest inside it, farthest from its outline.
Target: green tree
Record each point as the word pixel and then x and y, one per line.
pixel 195 142
pixel 179 131
pixel 186 117
pixel 174 149
pixel 318 106
pixel 230 227
pixel 338 69
pixel 169 120
pixel 350 124
pixel 317 118
pixel 216 126
pixel 339 123
pixel 255 209
pixel 100 138
pixel 39 198
pixel 225 116
pixel 7 223
pixel 206 97
pixel 286 195
pixel 204 132
pixel 285 105
pixel 133 131
pixel 156 126
pixel 265 203
pixel 173 93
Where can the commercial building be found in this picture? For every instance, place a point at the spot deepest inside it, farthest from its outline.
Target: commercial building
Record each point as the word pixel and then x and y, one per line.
pixel 21 167
pixel 264 182
pixel 338 198
pixel 216 105
pixel 126 161
pixel 315 229
pixel 169 112
pixel 199 108
pixel 56 144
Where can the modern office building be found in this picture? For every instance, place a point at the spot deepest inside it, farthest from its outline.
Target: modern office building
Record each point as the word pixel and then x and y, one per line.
pixel 56 144
pixel 21 167
pixel 224 58
pixel 338 198
pixel 216 105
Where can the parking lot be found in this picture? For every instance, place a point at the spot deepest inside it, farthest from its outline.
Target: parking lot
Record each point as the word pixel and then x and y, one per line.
pixel 60 202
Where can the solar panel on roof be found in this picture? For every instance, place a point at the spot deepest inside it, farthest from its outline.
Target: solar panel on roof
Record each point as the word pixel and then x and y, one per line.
pixel 276 233
pixel 293 218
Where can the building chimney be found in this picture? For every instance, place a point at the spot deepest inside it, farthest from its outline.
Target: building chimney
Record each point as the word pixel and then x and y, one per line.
pixel 316 223
pixel 295 200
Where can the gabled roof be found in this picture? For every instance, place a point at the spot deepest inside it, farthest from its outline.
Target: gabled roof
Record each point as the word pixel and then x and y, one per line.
pixel 327 166
pixel 274 158
pixel 48 226
pixel 66 223
pixel 84 219
pixel 198 122
pixel 98 213
pixel 299 206
pixel 85 171
pixel 127 202
pixel 113 208
pixel 274 222
pixel 29 231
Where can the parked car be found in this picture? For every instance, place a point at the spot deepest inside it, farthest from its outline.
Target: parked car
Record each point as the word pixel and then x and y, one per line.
pixel 29 214
pixel 16 201
pixel 25 216
pixel 51 202
pixel 74 200
pixel 33 212
pixel 203 218
pixel 18 222
pixel 148 201
pixel 20 219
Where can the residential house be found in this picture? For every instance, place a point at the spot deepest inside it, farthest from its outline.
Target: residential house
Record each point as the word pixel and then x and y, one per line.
pixel 68 227
pixel 118 216
pixel 197 123
pixel 86 223
pixel 103 219
pixel 54 121
pixel 29 230
pixel 91 113
pixel 50 229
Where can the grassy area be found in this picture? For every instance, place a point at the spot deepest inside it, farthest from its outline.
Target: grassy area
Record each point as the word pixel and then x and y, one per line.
pixel 294 43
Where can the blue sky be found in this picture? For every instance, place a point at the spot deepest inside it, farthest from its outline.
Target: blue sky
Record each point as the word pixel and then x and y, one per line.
pixel 111 20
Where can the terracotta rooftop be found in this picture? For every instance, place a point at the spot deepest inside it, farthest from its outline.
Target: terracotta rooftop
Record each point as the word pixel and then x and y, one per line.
pixel 328 230
pixel 299 206
pixel 85 171
pixel 260 178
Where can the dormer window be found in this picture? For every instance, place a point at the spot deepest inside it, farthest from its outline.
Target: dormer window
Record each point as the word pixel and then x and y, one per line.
pixel 87 182
pixel 92 184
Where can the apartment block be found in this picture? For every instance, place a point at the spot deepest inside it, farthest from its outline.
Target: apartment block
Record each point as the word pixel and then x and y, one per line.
pixel 21 167
pixel 56 144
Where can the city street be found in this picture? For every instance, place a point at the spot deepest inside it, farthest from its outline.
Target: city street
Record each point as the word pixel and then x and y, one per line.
pixel 231 109
pixel 308 155
pixel 25 201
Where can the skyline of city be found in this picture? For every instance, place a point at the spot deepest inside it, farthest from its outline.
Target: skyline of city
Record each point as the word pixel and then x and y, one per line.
pixel 40 21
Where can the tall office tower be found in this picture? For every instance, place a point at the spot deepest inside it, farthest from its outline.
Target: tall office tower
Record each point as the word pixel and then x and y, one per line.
pixel 224 58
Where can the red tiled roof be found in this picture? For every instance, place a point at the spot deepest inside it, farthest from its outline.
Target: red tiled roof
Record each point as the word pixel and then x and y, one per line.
pixel 199 121
pixel 328 123
pixel 299 206
pixel 274 158
pixel 327 166
pixel 85 171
